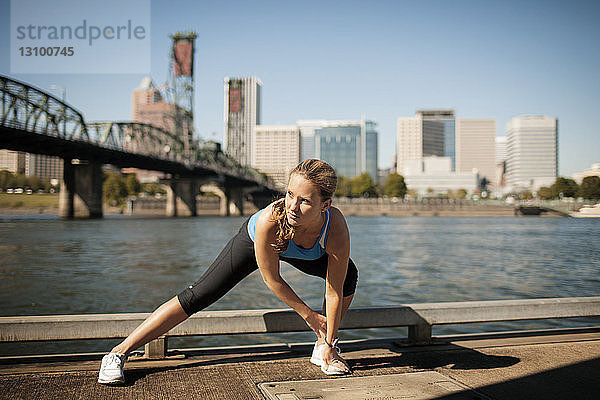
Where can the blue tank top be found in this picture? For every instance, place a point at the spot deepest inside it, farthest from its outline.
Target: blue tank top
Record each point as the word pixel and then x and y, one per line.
pixel 293 250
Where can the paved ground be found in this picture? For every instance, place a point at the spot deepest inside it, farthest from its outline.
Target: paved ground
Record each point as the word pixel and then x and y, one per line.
pixel 548 366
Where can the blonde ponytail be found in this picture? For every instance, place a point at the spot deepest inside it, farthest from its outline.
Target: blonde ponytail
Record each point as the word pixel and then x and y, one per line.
pixel 285 232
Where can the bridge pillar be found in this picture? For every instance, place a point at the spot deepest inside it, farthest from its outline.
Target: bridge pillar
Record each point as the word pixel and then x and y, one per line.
pixel 81 190
pixel 181 197
pixel 234 201
pixel 232 198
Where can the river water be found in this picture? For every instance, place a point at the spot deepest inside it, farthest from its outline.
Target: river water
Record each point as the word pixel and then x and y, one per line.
pixel 125 264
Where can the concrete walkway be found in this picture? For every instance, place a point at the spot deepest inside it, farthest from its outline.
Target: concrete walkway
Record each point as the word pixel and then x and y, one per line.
pixel 548 365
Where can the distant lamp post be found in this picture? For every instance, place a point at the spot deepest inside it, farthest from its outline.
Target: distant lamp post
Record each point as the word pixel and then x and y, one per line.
pixel 63 92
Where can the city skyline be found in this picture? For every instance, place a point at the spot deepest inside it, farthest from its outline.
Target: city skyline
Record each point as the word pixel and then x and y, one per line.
pixel 497 61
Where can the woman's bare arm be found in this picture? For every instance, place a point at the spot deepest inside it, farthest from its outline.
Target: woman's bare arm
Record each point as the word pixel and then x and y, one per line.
pixel 268 265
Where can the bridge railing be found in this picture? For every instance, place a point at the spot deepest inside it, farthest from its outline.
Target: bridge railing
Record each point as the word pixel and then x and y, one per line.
pixel 25 107
pixel 419 318
pixel 137 138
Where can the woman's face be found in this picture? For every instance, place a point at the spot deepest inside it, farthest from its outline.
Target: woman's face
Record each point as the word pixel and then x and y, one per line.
pixel 303 203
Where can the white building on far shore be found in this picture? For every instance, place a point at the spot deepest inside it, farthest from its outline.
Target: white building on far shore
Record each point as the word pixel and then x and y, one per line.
pixel 433 174
pixel 593 171
pixel 532 151
pixel 476 146
pixel 276 151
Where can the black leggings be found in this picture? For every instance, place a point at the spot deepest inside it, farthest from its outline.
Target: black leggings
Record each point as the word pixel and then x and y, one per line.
pixel 235 262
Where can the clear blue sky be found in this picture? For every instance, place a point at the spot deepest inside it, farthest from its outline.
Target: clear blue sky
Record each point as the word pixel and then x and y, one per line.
pixel 381 59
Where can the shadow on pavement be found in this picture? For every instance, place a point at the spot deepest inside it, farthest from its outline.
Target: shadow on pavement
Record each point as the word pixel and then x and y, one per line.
pixel 573 382
pixel 426 358
pixel 448 355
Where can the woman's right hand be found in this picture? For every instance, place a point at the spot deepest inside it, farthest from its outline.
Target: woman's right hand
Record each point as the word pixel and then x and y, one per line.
pixel 317 322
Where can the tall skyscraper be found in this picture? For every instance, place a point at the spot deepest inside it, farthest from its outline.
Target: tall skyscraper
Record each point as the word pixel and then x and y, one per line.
pixel 532 151
pixel 417 138
pixel 276 151
pixel 242 114
pixel 369 144
pixel 349 146
pixel 446 118
pixel 475 147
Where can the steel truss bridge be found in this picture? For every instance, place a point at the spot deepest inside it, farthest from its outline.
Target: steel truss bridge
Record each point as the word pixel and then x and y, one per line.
pixel 34 121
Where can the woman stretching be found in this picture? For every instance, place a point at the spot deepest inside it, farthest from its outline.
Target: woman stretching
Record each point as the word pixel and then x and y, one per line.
pixel 301 229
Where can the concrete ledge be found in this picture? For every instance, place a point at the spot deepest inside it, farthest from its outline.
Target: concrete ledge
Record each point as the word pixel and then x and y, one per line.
pixel 421 316
pixel 508 310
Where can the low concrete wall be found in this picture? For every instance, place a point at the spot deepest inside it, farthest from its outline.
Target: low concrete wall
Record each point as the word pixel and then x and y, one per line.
pixel 101 326
pixel 204 206
pixel 423 207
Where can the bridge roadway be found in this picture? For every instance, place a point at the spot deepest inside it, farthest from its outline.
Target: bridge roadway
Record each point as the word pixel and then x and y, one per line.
pixel 527 365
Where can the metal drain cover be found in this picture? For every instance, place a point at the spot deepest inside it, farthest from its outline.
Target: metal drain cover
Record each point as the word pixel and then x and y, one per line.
pixel 414 385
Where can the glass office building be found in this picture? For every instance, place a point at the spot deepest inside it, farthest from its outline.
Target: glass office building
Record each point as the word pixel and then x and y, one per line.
pixel 340 147
pixel 450 140
pixel 349 146
pixel 370 155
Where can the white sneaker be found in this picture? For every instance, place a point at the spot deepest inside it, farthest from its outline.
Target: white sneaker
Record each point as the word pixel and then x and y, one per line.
pixel 316 355
pixel 111 370
pixel 333 369
pixel 328 369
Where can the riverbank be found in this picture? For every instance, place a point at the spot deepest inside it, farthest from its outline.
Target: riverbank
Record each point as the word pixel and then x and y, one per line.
pixel 48 204
pixel 364 211
pixel 361 208
pixel 426 210
pixel 38 203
